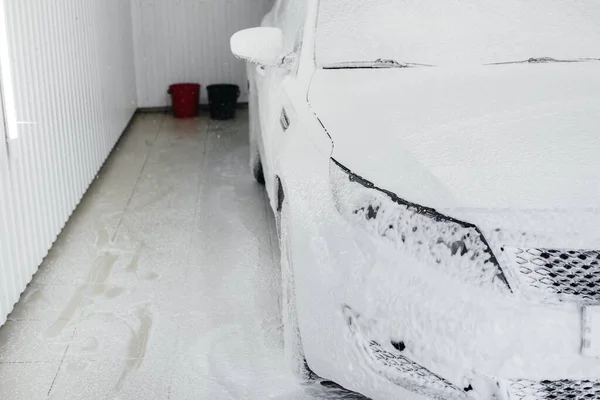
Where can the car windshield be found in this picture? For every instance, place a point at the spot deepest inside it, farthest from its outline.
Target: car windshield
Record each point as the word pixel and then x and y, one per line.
pixel 445 32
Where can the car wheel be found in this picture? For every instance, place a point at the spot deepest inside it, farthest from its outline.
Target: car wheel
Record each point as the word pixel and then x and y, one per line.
pixel 293 349
pixel 256 164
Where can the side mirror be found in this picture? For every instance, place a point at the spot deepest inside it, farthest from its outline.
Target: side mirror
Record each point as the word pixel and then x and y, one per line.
pixel 262 46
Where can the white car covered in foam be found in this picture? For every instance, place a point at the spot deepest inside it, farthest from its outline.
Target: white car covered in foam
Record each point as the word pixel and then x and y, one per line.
pixel 434 167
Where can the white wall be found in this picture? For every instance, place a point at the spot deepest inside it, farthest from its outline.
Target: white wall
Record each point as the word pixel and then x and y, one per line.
pixel 188 40
pixel 74 93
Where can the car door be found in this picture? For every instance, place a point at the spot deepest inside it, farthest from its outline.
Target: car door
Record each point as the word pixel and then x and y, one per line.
pixel 289 16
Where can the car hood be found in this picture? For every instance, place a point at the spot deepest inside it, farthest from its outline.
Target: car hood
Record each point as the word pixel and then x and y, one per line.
pixel 517 138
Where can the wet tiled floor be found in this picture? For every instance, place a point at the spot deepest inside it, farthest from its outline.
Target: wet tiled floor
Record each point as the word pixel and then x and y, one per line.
pixel 164 284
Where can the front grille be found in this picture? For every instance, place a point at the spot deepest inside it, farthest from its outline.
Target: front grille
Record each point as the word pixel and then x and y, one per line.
pixel 561 275
pixel 554 390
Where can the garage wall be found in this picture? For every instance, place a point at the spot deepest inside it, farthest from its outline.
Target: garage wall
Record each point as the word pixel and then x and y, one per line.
pixel 74 93
pixel 188 40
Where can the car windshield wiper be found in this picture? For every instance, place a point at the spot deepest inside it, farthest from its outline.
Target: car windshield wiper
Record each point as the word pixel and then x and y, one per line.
pixel 379 63
pixel 546 60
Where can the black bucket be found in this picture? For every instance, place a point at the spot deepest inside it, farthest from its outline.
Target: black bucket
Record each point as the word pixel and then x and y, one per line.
pixel 222 100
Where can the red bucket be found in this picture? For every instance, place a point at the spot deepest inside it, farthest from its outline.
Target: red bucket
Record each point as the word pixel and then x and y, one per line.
pixel 186 99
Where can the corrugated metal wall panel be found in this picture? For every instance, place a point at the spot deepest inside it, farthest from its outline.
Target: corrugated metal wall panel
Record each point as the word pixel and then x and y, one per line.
pixel 73 77
pixel 188 40
pixel 5 255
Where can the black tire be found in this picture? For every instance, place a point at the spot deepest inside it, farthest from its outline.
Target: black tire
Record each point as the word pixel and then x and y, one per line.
pixel 257 170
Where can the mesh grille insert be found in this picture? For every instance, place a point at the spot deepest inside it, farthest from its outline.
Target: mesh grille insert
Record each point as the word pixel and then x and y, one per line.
pixel 565 275
pixel 406 373
pixel 555 390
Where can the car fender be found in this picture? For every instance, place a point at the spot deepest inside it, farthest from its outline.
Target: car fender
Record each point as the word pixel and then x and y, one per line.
pixel 300 143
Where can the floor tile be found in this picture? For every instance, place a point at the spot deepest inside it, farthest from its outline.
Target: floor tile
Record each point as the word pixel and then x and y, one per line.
pixel 30 381
pixel 133 332
pixel 33 341
pixel 42 302
pixel 147 379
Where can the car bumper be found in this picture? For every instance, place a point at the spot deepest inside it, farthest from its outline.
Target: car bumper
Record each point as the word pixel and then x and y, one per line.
pixel 357 297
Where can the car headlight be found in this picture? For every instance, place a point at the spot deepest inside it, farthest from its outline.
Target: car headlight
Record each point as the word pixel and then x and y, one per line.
pixel 421 232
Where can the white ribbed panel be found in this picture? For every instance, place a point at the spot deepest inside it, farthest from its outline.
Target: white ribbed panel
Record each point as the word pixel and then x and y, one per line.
pixel 188 40
pixel 74 93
